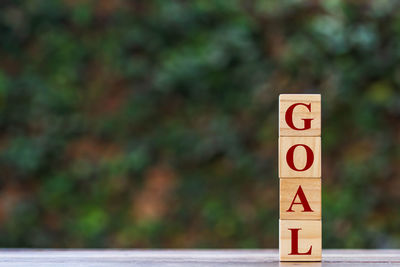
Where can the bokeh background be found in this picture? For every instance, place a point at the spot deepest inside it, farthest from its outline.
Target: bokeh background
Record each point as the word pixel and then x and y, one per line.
pixel 153 124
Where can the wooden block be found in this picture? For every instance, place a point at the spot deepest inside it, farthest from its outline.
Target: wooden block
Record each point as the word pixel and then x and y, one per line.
pixel 300 240
pixel 300 115
pixel 299 157
pixel 300 199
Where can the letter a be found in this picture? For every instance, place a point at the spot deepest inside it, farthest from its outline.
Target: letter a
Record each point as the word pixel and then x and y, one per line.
pixel 303 201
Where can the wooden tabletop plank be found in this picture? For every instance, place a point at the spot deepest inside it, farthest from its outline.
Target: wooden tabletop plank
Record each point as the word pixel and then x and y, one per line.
pixel 212 258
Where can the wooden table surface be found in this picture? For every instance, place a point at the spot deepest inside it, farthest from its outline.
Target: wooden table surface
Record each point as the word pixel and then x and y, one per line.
pixel 161 258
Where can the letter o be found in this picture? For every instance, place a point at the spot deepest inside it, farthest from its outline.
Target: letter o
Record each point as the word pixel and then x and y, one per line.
pixel 290 157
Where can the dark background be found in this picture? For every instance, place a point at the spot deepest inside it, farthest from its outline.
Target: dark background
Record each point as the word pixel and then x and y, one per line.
pixel 154 123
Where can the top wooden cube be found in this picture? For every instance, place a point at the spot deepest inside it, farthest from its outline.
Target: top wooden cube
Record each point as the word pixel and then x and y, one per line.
pixel 300 115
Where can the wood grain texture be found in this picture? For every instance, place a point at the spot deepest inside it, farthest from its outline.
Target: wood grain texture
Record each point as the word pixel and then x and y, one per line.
pixel 312 191
pixel 180 258
pixel 299 157
pixel 309 235
pixel 299 113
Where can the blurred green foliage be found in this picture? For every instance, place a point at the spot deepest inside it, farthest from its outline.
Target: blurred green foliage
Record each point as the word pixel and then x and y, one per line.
pixel 154 123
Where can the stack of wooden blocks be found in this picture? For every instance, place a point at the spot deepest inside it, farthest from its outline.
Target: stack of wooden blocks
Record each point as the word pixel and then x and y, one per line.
pixel 300 237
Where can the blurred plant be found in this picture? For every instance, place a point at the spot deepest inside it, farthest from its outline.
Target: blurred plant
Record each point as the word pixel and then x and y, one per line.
pixel 154 123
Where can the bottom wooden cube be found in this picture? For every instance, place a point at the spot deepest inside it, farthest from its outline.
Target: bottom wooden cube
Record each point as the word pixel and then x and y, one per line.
pixel 300 240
